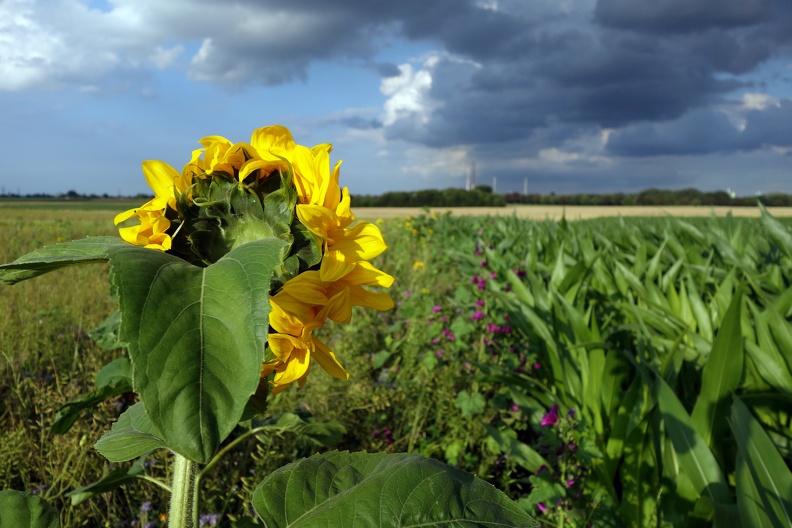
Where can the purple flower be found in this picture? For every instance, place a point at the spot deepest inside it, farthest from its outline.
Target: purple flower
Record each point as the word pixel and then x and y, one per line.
pixel 482 284
pixel 477 316
pixel 439 353
pixel 542 507
pixel 483 263
pixel 480 303
pixel 209 519
pixel 550 419
pixel 537 365
pixel 542 468
pixel 493 275
pixel 571 413
pixel 570 483
pixel 437 308
pixel 145 507
pixel 515 407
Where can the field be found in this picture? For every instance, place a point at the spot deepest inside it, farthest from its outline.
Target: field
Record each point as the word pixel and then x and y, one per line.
pixel 602 372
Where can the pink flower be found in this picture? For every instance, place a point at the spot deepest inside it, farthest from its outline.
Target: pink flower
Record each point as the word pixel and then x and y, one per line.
pixel 437 308
pixel 480 303
pixel 550 419
pixel 542 507
pixel 537 366
pixel 477 316
pixel 570 483
pixel 493 275
pixel 515 407
pixel 483 263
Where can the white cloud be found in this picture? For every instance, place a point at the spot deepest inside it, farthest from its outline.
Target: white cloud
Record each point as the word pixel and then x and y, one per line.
pixel 409 94
pixel 758 101
pixel 736 111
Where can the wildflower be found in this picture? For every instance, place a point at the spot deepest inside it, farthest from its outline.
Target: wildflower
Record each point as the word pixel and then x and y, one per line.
pixel 570 483
pixel 436 308
pixel 571 413
pixel 515 407
pixel 477 316
pixel 483 263
pixel 550 419
pixel 537 366
pixel 480 303
pixel 440 352
pixel 209 519
pixel 418 264
pixel 145 507
pixel 493 275
pixel 542 507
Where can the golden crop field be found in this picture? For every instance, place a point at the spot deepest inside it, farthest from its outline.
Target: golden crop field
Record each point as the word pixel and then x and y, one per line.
pixel 573 212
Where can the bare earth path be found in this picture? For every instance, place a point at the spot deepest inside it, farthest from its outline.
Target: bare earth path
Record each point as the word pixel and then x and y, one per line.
pixel 573 212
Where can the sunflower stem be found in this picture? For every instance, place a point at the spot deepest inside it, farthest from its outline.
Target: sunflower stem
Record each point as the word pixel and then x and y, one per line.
pixel 184 504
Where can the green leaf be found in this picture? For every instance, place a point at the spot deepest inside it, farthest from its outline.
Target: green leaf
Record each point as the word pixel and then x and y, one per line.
pixel 696 459
pixel 131 436
pixel 106 334
pixel 470 404
pixel 770 474
pixel 721 375
pixel 380 490
pixel 21 509
pixel 749 501
pixel 185 326
pixel 506 441
pixel 777 232
pixel 116 478
pixel 113 379
pixel 51 258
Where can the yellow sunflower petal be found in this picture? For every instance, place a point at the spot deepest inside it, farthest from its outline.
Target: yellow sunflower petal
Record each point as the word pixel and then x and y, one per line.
pixel 332 269
pixel 363 273
pixel 327 360
pixel 277 136
pixel 319 220
pixel 307 288
pixel 161 178
pixel 362 242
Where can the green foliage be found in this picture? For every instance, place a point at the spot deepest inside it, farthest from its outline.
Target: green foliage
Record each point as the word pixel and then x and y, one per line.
pixel 25 510
pixel 185 325
pixel 340 489
pixel 601 315
pixel 113 379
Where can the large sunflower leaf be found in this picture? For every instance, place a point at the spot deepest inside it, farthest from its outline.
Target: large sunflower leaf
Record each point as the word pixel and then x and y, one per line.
pixel 380 490
pixel 51 258
pixel 196 338
pixel 25 510
pixel 131 436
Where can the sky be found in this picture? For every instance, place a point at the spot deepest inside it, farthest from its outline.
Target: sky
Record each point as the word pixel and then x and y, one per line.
pixel 556 96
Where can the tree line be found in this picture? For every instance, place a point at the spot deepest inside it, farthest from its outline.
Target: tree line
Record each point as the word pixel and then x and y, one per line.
pixel 654 197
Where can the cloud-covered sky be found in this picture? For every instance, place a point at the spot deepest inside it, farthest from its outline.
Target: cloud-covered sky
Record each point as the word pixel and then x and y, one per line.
pixel 566 95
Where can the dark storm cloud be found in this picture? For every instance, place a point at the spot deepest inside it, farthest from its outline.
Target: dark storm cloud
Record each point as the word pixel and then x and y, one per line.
pixel 681 15
pixel 705 131
pixel 655 72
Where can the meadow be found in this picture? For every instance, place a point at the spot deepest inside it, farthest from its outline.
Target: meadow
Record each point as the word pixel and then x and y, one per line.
pixel 602 372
